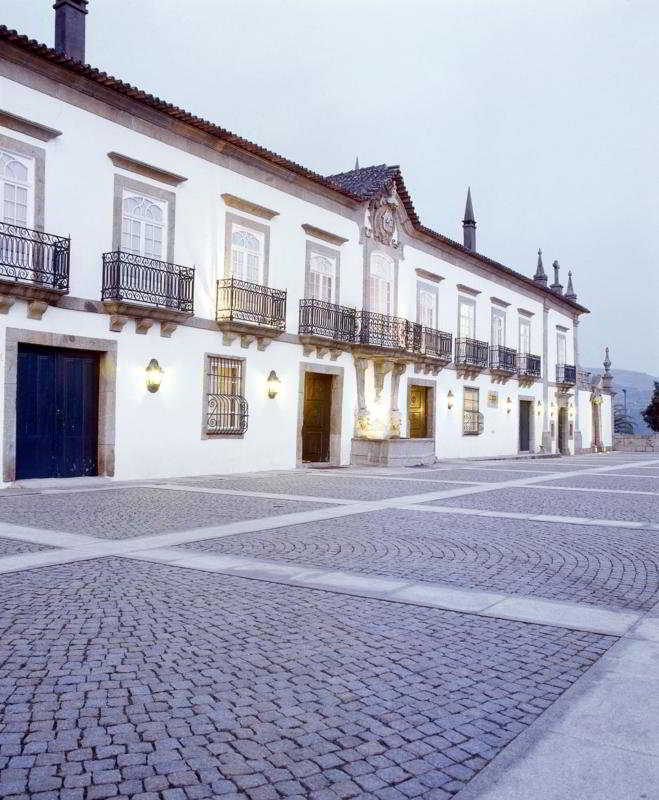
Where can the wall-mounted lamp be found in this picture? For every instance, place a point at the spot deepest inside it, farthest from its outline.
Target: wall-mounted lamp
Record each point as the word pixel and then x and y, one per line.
pixel 449 399
pixel 273 383
pixel 509 404
pixel 154 373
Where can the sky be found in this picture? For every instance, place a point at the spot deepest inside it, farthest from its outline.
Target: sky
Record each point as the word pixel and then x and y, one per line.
pixel 548 110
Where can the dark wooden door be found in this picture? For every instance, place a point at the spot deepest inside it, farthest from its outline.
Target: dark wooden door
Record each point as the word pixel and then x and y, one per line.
pixel 417 412
pixel 524 425
pixel 56 413
pixel 316 419
pixel 562 431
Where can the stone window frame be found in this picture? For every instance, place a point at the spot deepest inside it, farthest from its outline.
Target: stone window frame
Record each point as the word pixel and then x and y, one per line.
pixel 124 184
pixel 462 300
pixel 229 220
pixel 425 286
pixel 204 393
pixel 336 409
pixel 497 311
pixel 370 248
pixel 432 403
pixel 38 154
pixel 107 391
pixel 466 389
pixel 313 248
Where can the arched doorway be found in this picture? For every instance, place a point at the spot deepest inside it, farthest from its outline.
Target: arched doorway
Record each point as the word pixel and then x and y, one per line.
pixel 562 431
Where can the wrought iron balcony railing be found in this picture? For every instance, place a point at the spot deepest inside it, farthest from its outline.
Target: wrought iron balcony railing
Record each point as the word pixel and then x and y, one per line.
pixel 34 257
pixel 395 333
pixel 319 318
pixel 529 365
pixel 250 303
pixel 147 281
pixel 473 423
pixel 471 352
pixel 566 374
pixel 503 359
pixel 437 344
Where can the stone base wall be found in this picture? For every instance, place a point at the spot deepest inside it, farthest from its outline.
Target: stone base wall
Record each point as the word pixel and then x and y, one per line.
pixel 637 442
pixel 392 452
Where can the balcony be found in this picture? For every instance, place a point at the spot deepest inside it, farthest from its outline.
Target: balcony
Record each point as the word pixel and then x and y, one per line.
pixel 471 353
pixel 437 345
pixel 327 321
pixel 566 374
pixel 251 311
pixel 529 367
pixel 147 282
pixel 503 360
pixel 33 265
pixel 391 333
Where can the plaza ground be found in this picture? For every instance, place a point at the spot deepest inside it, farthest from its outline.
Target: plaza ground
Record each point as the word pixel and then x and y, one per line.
pixel 470 630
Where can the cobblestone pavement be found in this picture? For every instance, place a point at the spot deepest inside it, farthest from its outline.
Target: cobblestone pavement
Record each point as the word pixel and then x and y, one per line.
pixel 128 512
pixel 524 500
pixel 586 564
pixel 353 488
pixel 647 484
pixel 134 680
pixel 10 547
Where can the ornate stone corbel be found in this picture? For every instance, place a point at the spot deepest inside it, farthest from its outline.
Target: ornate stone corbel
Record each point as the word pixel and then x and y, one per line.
pixel 246 340
pixel 36 309
pixel 228 338
pixel 262 343
pixel 382 368
pixel 117 322
pixel 334 354
pixel 143 325
pixel 167 329
pixel 6 302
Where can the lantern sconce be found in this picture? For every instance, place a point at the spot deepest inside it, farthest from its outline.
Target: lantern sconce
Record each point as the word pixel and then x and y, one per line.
pixel 539 406
pixel 273 383
pixel 154 373
pixel 449 399
pixel 509 404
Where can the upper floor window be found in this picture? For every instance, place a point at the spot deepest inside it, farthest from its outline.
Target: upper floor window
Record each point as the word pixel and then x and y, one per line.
pixel 427 308
pixel 381 284
pixel 561 348
pixel 143 225
pixel 322 277
pixel 498 328
pixel 524 337
pixel 247 249
pixel 466 319
pixel 17 182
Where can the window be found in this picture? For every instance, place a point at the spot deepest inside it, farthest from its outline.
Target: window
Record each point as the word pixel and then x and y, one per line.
pixel 380 284
pixel 322 277
pixel 246 254
pixel 498 328
pixel 226 407
pixel 472 419
pixel 524 337
pixel 428 308
pixel 560 349
pixel 466 319
pixel 17 188
pixel 143 225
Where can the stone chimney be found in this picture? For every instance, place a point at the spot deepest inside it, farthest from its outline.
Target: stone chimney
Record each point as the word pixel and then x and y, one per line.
pixel 469 225
pixel 70 28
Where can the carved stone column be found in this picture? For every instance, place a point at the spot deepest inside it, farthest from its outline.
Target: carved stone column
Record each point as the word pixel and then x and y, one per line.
pixel 395 417
pixel 382 368
pixel 362 422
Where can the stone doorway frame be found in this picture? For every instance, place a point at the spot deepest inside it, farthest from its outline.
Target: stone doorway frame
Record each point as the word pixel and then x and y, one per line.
pixel 531 399
pixel 107 380
pixel 430 404
pixel 336 411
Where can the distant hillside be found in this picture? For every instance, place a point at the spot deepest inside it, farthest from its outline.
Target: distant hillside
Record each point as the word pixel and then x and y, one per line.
pixel 639 387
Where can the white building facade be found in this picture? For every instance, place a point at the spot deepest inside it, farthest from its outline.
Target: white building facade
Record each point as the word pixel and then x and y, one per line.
pixel 178 301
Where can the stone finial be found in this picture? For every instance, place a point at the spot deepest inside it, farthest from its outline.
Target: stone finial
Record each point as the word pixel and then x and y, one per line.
pixel 540 274
pixel 469 224
pixel 570 294
pixel 607 361
pixel 356 163
pixel 556 286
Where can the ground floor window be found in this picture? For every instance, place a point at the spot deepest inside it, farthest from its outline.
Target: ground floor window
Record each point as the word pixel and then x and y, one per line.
pixel 226 407
pixel 472 419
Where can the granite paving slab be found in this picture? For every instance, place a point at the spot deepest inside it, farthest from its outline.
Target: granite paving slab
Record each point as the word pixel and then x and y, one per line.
pixel 585 564
pixel 12 547
pixel 128 512
pixel 607 481
pixel 196 685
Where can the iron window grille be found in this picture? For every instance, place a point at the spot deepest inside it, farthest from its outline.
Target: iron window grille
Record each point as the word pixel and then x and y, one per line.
pixel 437 344
pixel 320 318
pixel 140 279
pixel 226 408
pixel 566 374
pixel 471 351
pixel 34 257
pixel 394 333
pixel 472 419
pixel 243 301
pixel 503 358
pixel 528 364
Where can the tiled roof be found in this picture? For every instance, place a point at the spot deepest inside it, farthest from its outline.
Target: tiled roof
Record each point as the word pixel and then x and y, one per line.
pixel 357 185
